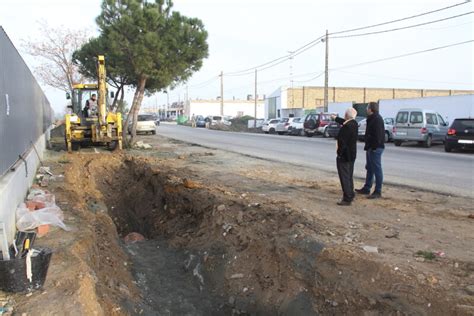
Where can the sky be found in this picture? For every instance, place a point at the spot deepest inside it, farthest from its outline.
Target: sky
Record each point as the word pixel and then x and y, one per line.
pixel 247 33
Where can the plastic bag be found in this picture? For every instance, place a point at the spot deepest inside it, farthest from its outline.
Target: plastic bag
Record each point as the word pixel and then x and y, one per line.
pixel 27 220
pixel 38 195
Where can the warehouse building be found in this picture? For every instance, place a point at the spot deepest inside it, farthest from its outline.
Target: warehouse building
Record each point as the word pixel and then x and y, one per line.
pixel 298 101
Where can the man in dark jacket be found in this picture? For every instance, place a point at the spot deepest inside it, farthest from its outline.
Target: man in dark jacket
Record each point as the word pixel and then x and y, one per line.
pixel 374 145
pixel 346 154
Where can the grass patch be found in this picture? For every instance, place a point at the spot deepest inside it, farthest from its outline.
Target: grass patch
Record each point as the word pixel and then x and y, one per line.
pixel 427 255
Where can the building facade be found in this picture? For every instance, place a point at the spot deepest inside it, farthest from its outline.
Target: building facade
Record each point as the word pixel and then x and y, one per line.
pixel 297 101
pixel 234 108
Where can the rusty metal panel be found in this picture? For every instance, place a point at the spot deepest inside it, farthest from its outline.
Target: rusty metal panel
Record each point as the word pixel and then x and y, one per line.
pixel 25 112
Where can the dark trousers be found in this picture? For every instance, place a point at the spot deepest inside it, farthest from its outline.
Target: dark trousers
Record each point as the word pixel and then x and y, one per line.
pixel 345 169
pixel 374 169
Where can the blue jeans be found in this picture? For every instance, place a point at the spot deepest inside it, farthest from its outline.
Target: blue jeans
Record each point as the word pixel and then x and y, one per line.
pixel 374 168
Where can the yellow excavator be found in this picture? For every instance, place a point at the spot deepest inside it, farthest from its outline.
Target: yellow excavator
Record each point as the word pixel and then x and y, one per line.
pixel 97 125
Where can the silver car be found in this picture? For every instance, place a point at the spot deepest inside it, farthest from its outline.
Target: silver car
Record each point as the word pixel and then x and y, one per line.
pixel 388 124
pixel 270 126
pixel 421 125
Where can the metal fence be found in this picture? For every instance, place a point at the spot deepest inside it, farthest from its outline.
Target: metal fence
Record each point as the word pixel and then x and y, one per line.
pixel 25 112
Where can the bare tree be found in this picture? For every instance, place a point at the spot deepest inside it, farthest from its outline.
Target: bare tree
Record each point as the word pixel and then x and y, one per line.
pixel 54 50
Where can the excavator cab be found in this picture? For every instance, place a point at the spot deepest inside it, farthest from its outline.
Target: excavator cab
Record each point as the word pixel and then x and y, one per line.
pixel 98 126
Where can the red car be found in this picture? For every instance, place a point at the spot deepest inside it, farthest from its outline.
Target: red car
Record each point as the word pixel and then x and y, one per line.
pixel 317 123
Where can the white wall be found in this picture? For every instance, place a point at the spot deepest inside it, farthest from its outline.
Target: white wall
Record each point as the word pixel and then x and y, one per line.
pixel 15 184
pixel 232 108
pixel 339 107
pixel 277 94
pixel 449 107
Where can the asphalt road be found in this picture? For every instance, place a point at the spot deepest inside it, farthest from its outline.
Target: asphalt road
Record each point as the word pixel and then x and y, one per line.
pixel 428 169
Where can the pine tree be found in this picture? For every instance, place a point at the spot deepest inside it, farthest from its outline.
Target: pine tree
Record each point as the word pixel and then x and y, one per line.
pixel 150 45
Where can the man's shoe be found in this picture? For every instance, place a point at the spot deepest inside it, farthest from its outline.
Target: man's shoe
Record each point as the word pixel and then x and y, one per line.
pixel 344 203
pixel 375 195
pixel 362 191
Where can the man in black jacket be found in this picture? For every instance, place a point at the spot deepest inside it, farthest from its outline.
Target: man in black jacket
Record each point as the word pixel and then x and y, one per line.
pixel 374 145
pixel 346 154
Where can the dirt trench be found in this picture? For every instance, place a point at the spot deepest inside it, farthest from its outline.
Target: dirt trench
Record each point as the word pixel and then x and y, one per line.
pixel 211 252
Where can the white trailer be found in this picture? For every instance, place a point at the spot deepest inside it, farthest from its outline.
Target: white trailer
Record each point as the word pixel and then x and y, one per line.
pixel 450 107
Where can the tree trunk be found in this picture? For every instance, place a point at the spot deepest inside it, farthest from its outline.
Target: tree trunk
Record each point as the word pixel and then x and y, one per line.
pixel 129 118
pixel 139 93
pixel 122 94
pixel 116 99
pixel 114 104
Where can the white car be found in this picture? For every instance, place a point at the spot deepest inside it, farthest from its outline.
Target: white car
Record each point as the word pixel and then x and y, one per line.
pixel 146 123
pixel 217 119
pixel 270 126
pixel 284 125
pixel 296 126
pixel 388 123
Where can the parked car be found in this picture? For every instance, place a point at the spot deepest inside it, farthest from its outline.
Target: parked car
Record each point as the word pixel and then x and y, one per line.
pixel 200 121
pixel 421 125
pixel 296 126
pixel 460 135
pixel 146 123
pixel 270 126
pixel 333 128
pixel 316 123
pixel 284 125
pixel 388 123
pixel 217 119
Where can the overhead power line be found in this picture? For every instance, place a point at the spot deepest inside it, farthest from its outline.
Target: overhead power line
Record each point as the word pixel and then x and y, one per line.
pixel 315 77
pixel 276 61
pixel 312 43
pixel 316 41
pixel 403 55
pixel 234 73
pixel 404 27
pixel 204 83
pixel 401 19
pixel 277 80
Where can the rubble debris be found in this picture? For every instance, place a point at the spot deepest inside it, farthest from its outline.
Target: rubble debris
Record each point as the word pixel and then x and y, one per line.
pixel 227 228
pixel 42 230
pixel 40 209
pixel 45 170
pixel 370 249
pixel 237 276
pixel 394 234
pixel 470 289
pixel 142 145
pixel 352 225
pixel 189 184
pixel 350 237
pixel 254 204
pixel 133 238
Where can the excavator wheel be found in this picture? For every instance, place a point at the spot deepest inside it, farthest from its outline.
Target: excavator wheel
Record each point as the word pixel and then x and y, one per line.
pixel 112 145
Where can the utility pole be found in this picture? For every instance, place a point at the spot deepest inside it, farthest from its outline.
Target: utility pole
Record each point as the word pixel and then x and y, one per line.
pixel 291 80
pixel 222 93
pixel 326 72
pixel 255 108
pixel 186 104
